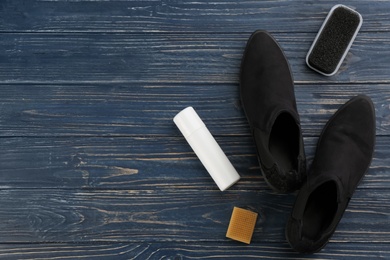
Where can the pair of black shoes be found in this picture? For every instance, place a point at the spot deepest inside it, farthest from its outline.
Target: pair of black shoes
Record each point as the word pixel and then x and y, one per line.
pixel 343 155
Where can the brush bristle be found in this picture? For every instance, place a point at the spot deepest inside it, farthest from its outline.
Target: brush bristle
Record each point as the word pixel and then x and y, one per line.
pixel 334 40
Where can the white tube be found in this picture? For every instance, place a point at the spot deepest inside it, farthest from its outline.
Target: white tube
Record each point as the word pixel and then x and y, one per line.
pixel 206 148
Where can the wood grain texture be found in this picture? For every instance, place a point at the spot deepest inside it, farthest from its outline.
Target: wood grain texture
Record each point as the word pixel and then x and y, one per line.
pixel 188 250
pixel 171 215
pixel 174 58
pixel 179 16
pixel 158 163
pixel 142 110
pixel 91 164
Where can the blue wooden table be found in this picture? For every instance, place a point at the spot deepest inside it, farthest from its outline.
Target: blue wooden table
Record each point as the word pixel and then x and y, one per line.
pixel 91 164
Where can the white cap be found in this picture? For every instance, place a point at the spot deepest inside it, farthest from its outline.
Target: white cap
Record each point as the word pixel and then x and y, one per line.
pixel 206 148
pixel 188 121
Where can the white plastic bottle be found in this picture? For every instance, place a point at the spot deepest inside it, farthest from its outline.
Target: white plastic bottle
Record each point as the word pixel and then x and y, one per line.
pixel 206 148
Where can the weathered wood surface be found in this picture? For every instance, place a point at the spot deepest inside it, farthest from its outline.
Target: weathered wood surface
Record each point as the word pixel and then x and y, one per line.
pixel 179 16
pixel 177 215
pixel 91 164
pixel 204 58
pixel 179 251
pixel 152 163
pixel 147 109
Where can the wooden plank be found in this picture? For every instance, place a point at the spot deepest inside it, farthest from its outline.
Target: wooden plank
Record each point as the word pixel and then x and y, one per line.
pixel 179 16
pixel 148 109
pixel 176 215
pixel 72 251
pixel 178 251
pixel 92 165
pixel 174 58
pixel 142 164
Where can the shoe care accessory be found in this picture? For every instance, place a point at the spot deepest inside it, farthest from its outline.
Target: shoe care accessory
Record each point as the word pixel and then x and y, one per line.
pixel 334 40
pixel 242 225
pixel 206 148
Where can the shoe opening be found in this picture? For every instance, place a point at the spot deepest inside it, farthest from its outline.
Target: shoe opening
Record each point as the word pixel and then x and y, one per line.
pixel 284 143
pixel 320 210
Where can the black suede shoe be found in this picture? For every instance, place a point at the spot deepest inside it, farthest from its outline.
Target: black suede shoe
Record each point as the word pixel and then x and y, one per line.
pixel 268 99
pixel 343 155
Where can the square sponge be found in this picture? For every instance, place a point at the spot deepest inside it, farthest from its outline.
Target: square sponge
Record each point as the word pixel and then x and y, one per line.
pixel 242 225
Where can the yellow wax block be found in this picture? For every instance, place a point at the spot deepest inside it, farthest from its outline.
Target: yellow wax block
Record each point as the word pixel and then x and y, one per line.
pixel 242 225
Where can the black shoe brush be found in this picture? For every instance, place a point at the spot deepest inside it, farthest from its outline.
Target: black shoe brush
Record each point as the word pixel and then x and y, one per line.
pixel 333 40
